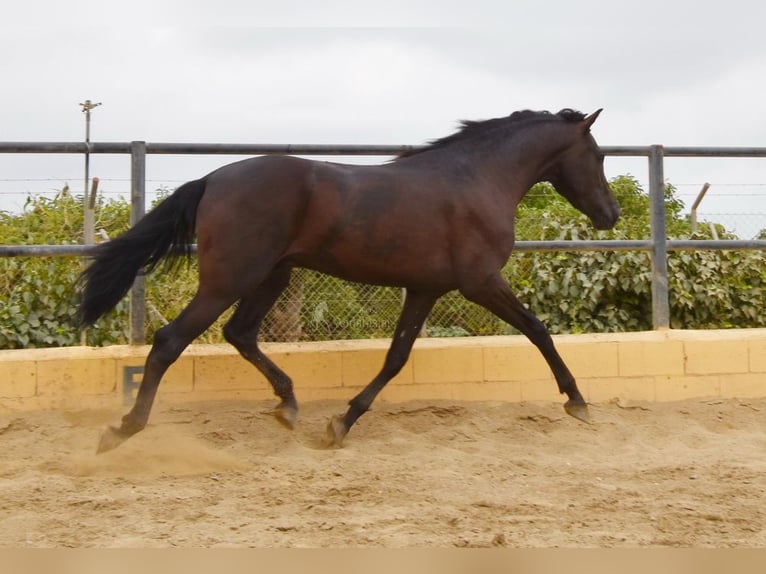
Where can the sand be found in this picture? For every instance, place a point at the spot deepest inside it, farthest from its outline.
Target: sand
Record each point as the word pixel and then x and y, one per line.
pixel 421 474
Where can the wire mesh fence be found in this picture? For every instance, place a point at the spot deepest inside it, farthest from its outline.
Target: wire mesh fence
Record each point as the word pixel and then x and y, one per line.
pixel 318 307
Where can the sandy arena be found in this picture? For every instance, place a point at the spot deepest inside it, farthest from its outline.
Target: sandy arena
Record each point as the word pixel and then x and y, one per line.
pixel 441 474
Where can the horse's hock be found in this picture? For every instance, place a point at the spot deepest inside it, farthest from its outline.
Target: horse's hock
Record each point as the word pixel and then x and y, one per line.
pixel 647 366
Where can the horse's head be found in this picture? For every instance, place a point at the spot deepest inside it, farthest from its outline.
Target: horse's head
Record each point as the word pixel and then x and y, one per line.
pixel 578 175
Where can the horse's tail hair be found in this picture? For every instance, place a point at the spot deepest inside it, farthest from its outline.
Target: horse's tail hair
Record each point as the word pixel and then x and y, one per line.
pixel 166 230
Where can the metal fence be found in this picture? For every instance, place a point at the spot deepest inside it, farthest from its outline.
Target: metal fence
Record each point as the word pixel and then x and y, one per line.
pixel 296 316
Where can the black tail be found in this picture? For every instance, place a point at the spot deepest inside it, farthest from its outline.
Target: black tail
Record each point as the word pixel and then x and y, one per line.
pixel 165 230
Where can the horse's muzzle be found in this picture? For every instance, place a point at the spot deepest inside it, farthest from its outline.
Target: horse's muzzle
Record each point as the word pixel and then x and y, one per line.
pixel 607 219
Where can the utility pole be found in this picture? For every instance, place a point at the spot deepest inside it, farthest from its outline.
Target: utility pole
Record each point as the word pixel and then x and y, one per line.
pixel 89 199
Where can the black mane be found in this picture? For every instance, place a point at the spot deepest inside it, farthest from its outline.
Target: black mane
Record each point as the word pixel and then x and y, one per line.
pixel 470 128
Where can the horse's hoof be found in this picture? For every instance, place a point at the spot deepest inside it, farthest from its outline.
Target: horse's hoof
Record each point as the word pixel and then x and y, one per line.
pixel 336 432
pixel 110 439
pixel 578 411
pixel 286 415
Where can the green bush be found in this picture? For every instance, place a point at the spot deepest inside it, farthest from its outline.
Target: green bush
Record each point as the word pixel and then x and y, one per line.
pixel 37 294
pixel 611 291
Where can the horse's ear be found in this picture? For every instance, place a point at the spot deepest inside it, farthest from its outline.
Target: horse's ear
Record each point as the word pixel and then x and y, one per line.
pixel 588 121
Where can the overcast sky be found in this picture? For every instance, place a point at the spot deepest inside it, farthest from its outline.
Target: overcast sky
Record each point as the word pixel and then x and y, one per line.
pixel 394 72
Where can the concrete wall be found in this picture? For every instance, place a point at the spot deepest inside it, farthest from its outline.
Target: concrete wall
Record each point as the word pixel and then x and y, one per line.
pixel 654 366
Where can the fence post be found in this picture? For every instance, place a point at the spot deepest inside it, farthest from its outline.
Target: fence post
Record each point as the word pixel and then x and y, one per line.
pixel 660 300
pixel 137 209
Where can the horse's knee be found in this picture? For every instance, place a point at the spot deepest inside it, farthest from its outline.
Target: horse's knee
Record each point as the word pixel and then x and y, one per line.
pixel 538 333
pixel 394 363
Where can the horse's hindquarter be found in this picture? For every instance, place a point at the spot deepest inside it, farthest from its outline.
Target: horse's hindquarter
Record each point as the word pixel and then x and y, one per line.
pixel 248 216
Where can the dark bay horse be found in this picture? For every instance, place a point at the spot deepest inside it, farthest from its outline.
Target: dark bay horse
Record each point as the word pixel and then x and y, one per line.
pixel 432 220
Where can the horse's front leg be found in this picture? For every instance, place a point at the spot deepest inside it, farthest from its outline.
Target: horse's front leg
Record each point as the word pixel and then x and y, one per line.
pixel 496 296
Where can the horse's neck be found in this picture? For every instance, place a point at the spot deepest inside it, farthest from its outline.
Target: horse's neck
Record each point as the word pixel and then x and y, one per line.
pixel 513 164
pixel 527 157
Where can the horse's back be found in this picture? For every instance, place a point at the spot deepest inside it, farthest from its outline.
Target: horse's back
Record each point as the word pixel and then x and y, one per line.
pixel 278 200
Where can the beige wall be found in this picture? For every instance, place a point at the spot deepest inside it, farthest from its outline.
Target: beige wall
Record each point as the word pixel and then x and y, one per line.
pixel 654 366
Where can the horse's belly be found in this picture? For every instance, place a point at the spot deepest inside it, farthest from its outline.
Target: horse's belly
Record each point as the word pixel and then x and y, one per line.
pixel 413 271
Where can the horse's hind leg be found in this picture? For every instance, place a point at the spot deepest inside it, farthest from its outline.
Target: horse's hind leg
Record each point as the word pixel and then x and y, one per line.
pixel 242 332
pixel 416 308
pixel 169 343
pixel 496 296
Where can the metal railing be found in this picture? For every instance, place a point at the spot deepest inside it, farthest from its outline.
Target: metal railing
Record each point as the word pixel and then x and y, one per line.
pixel 658 245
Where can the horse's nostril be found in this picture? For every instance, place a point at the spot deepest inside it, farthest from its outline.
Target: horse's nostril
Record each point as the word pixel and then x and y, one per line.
pixel 608 219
